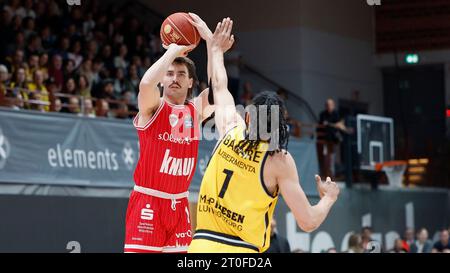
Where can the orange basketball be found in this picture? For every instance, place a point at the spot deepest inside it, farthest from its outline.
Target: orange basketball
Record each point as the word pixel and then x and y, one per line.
pixel 177 29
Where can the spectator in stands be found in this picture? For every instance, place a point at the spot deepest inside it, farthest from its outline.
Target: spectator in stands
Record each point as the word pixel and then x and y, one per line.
pixel 16 61
pixel 294 125
pixel 107 57
pixel 64 46
pixel 55 71
pixel 17 102
pixel 28 10
pixel 19 85
pixel 88 108
pixel 43 65
pixel 247 94
pixel 108 90
pixel 69 69
pixel 84 88
pixel 147 62
pixel 328 137
pixel 88 25
pixel 122 111
pixel 443 245
pixel 233 62
pixel 355 244
pixel 139 48
pixel 422 244
pixel 92 49
pixel 14 8
pixel 34 45
pixel 39 90
pixel 399 247
pixel 120 61
pixel 331 250
pixel 133 78
pixel 57 105
pixel 18 44
pixel 120 83
pixel 138 63
pixel 97 67
pixel 130 99
pixel 73 33
pixel 48 40
pixel 17 24
pixel 4 77
pixel 73 107
pixel 70 88
pixel 86 70
pixel 278 244
pixel 155 44
pixel 102 108
pixel 366 236
pixel 33 65
pixel 75 54
pixel 29 28
pixel 408 238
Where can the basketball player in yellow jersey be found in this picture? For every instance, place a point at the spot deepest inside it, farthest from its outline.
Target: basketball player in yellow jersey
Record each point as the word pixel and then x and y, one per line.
pixel 247 172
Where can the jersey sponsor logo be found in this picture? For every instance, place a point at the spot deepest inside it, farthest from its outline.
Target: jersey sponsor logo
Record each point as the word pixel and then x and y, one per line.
pixel 171 138
pixel 173 120
pixel 177 166
pixel 184 234
pixel 229 217
pixel 238 163
pixel 147 213
pixel 188 123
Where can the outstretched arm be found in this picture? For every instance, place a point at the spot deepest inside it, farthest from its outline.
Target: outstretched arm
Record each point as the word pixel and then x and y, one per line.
pixel 308 217
pixel 149 96
pixel 226 115
pixel 205 100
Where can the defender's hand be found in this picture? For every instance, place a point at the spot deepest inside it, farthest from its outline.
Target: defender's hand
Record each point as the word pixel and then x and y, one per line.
pixel 222 38
pixel 327 188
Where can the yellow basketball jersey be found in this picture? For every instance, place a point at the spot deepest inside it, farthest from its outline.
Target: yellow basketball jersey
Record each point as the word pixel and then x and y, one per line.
pixel 234 206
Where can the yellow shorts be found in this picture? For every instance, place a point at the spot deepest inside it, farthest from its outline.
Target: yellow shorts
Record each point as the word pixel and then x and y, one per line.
pixel 207 246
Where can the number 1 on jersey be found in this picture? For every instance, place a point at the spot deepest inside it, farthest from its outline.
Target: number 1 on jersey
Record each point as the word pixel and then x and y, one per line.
pixel 229 174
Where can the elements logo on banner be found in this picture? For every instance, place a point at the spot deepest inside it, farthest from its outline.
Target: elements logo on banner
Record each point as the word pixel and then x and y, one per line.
pixel 128 155
pixel 4 149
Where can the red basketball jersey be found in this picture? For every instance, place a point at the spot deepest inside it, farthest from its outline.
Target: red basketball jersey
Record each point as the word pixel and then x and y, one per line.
pixel 168 148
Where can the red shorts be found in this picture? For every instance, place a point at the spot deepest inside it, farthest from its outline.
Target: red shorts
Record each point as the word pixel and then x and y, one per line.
pixel 155 224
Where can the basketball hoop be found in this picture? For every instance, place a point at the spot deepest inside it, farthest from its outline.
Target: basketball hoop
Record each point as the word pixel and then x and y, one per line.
pixel 394 171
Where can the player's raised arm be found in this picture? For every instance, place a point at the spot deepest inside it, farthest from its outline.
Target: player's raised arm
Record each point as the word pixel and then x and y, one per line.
pixel 226 116
pixel 205 99
pixel 149 95
pixel 308 217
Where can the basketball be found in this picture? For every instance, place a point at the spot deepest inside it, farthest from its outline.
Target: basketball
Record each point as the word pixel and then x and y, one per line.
pixel 177 29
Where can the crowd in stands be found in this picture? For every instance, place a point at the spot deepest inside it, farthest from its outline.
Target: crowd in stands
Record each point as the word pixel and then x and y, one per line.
pixel 80 59
pixel 84 60
pixel 410 242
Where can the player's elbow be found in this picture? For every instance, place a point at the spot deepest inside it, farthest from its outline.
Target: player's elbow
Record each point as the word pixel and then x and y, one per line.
pixel 308 222
pixel 307 226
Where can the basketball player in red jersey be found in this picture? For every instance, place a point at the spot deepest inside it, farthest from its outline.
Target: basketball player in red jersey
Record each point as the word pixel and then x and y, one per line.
pixel 157 218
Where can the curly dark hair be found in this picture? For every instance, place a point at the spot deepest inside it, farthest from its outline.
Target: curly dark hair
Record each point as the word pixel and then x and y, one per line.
pixel 268 99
